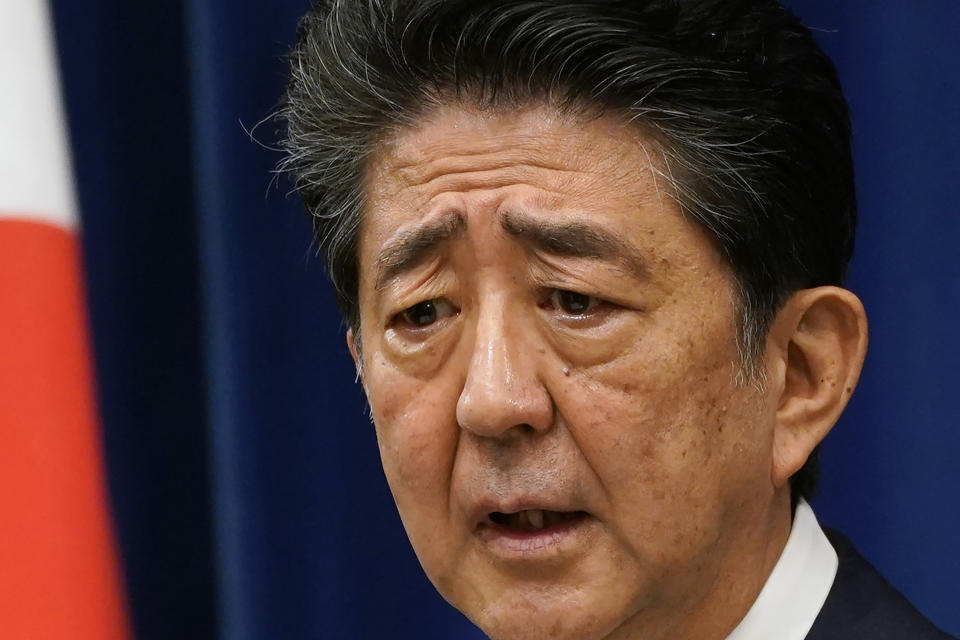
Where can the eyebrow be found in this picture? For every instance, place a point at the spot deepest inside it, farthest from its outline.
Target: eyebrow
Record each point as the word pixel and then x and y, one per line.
pixel 575 240
pixel 410 247
pixel 568 239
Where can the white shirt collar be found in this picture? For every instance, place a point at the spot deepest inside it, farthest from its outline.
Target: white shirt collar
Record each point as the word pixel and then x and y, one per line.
pixel 797 587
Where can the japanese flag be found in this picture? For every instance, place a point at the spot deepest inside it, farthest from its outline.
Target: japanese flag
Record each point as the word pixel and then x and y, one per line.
pixel 59 571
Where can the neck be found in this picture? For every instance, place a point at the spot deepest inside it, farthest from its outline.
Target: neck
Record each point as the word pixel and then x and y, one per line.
pixel 746 561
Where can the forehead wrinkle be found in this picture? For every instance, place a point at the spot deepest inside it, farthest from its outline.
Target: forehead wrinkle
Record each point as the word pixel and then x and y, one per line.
pixel 575 239
pixel 409 246
pixel 416 162
pixel 472 175
pixel 384 183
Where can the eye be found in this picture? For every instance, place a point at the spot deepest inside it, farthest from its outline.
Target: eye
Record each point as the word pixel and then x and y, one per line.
pixel 573 303
pixel 424 314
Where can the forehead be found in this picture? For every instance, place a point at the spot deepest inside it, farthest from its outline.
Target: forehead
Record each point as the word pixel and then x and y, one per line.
pixel 552 167
pixel 460 146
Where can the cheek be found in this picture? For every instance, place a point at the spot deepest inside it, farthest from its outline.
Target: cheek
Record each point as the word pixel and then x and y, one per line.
pixel 417 437
pixel 409 425
pixel 654 426
pixel 665 427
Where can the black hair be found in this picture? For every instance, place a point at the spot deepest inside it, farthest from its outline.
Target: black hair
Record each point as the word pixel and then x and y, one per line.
pixel 744 108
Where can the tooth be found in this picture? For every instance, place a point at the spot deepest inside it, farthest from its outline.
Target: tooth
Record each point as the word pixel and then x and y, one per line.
pixel 535 517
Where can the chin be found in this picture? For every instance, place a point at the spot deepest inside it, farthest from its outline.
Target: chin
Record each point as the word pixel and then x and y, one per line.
pixel 541 616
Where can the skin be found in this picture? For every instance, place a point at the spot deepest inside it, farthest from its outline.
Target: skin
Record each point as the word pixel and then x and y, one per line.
pixel 625 405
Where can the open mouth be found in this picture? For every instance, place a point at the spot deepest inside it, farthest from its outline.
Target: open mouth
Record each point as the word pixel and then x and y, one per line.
pixel 535 519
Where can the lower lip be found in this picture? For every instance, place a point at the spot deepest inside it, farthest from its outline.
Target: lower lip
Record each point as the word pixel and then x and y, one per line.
pixel 556 541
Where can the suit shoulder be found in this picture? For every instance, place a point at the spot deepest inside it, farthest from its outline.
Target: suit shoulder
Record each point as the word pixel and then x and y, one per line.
pixel 862 604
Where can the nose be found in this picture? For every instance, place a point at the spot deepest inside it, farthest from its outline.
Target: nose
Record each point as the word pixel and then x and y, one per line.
pixel 502 392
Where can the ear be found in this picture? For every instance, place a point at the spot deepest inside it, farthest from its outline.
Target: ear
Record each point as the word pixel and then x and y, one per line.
pixel 815 352
pixel 353 344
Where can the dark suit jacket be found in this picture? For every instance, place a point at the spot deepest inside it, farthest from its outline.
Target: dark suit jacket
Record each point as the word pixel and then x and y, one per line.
pixel 862 605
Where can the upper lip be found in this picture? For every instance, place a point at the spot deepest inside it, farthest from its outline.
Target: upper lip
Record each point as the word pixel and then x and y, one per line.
pixel 480 514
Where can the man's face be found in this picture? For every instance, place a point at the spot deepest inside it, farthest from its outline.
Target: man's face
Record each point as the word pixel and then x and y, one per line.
pixel 549 353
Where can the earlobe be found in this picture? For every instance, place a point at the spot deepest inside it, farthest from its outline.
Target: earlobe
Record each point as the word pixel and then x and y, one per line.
pixel 820 340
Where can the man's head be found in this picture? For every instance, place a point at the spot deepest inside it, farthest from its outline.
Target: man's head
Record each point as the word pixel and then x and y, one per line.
pixel 588 247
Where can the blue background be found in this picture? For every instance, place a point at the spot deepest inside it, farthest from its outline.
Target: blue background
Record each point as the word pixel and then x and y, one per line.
pixel 247 492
